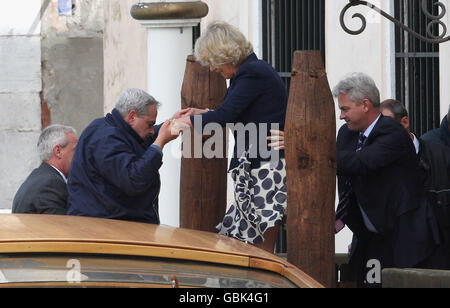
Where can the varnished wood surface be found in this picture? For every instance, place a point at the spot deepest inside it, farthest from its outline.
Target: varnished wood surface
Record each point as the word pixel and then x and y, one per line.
pixel 310 134
pixel 203 186
pixel 70 234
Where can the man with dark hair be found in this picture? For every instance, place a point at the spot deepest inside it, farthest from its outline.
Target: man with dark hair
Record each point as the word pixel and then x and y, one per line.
pixel 434 160
pixel 441 134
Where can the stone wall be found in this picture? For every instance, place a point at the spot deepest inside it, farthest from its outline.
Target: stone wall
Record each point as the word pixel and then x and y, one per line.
pixel 72 63
pixel 20 85
pixel 45 58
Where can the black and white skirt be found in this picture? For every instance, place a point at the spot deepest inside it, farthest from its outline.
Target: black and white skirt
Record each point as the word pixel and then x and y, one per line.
pixel 260 201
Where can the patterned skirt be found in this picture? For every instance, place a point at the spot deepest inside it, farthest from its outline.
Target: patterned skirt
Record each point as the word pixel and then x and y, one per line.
pixel 260 201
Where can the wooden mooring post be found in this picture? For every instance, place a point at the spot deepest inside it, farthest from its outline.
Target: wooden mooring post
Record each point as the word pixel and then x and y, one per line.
pixel 310 135
pixel 203 187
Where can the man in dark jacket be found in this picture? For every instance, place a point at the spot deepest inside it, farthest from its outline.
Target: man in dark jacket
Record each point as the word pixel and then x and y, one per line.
pixel 115 169
pixel 378 185
pixel 45 189
pixel 434 161
pixel 441 134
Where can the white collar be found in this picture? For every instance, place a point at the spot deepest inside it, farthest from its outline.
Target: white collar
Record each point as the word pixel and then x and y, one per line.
pixel 63 176
pixel 370 128
pixel 416 143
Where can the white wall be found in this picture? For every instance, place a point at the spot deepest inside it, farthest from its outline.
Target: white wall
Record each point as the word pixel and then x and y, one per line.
pixel 243 14
pixel 20 85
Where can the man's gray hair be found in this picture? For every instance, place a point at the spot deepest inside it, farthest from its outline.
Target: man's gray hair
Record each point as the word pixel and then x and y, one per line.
pixel 135 99
pixel 358 86
pixel 52 136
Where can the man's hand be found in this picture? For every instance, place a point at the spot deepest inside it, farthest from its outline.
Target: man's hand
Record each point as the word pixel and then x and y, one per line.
pixel 165 135
pixel 182 123
pixel 277 139
pixel 179 125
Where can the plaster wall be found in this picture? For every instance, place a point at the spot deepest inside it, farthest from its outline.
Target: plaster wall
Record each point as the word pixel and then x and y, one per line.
pixel 125 51
pixel 72 62
pixel 20 85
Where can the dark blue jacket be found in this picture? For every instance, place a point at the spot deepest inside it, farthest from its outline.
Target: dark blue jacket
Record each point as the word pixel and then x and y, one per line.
pixel 256 95
pixel 439 135
pixel 114 174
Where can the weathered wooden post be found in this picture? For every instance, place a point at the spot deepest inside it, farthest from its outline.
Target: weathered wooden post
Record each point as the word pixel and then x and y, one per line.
pixel 203 188
pixel 310 135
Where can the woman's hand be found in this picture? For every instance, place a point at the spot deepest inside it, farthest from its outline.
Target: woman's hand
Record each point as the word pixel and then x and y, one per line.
pixel 189 112
pixel 182 113
pixel 277 139
pixel 196 111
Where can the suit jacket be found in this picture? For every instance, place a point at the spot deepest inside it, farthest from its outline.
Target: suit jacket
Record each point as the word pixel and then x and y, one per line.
pixel 434 161
pixel 385 181
pixel 439 135
pixel 43 192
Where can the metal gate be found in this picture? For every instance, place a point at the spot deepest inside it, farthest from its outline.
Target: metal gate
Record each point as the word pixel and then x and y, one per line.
pixel 417 67
pixel 290 25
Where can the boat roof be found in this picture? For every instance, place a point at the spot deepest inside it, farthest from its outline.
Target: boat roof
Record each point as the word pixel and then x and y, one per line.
pixel 21 233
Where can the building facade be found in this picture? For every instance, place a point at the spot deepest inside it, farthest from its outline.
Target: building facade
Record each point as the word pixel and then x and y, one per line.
pixel 402 67
pixel 78 64
pixel 51 72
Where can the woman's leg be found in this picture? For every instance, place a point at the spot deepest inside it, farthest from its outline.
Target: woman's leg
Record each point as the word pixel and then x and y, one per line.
pixel 270 239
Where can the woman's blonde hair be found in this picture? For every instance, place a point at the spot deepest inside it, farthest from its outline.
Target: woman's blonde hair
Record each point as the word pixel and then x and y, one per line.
pixel 222 43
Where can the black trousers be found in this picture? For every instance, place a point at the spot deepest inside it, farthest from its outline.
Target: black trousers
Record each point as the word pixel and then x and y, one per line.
pixel 370 254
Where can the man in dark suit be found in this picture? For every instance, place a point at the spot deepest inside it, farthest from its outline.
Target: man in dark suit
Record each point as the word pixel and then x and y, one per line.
pixel 434 162
pixel 45 189
pixel 441 134
pixel 378 185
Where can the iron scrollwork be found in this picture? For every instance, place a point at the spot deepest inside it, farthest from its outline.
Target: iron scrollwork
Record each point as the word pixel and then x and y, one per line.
pixel 435 20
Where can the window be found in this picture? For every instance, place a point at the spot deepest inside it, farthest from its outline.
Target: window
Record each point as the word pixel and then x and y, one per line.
pixel 48 270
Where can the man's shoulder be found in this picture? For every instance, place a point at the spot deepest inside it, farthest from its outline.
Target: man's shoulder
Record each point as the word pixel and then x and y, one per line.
pixel 388 123
pixel 390 128
pixel 431 147
pixel 345 132
pixel 45 175
pixel 99 130
pixel 40 180
pixel 97 126
pixel 432 136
